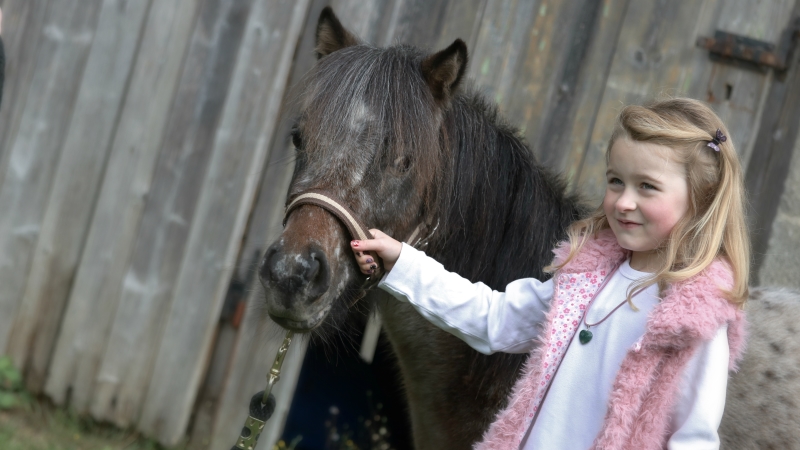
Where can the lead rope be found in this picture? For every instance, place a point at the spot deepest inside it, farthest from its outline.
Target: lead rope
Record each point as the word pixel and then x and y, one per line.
pixel 262 404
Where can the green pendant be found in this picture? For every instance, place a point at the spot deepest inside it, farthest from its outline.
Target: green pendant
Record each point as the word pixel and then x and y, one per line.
pixel 585 336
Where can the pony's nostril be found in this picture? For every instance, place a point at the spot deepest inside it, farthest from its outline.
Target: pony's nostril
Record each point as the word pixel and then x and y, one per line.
pixel 267 271
pixel 313 268
pixel 319 274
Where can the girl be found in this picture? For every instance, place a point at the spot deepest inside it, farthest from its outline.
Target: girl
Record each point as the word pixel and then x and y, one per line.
pixel 632 339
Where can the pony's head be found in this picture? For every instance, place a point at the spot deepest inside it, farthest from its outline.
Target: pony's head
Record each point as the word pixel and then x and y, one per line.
pixel 367 133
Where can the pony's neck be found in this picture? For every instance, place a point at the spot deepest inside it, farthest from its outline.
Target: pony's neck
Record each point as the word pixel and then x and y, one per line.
pixel 502 212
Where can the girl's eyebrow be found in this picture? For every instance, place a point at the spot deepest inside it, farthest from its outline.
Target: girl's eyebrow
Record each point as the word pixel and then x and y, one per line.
pixel 639 176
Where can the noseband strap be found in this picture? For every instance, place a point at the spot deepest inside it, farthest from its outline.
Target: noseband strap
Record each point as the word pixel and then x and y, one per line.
pixel 345 215
pixel 325 201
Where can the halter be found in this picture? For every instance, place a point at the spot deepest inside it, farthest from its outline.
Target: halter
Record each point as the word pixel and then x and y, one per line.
pixel 346 216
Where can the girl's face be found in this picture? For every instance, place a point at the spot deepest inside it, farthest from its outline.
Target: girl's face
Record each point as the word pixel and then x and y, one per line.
pixel 646 195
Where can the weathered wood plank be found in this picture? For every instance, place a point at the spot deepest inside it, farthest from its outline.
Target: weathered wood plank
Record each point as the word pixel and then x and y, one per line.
pixel 434 25
pixel 462 19
pixel 258 338
pixel 75 186
pixel 573 95
pixel 557 42
pixel 35 151
pixel 778 255
pixel 147 290
pixel 502 43
pixel 772 181
pixel 22 31
pixel 95 293
pixel 565 151
pixel 240 148
pixel 370 20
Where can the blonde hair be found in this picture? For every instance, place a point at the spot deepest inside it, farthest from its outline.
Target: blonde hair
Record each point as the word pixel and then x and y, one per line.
pixel 714 225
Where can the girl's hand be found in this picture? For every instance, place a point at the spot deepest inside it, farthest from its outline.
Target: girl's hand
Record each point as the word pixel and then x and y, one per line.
pixel 387 249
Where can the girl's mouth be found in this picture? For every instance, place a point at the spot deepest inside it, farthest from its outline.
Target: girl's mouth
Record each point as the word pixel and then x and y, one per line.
pixel 627 224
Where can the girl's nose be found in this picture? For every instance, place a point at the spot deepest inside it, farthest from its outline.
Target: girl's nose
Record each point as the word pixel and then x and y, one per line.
pixel 625 202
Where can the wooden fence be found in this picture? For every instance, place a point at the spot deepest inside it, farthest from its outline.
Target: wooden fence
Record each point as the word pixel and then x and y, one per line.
pixel 144 162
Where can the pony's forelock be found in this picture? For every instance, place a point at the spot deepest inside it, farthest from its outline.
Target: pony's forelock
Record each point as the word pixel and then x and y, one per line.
pixel 367 97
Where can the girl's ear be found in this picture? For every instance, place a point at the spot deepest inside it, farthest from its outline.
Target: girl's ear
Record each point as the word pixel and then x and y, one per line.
pixel 444 70
pixel 331 35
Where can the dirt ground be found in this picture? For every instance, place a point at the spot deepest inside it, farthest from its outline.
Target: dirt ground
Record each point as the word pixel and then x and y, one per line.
pixel 39 426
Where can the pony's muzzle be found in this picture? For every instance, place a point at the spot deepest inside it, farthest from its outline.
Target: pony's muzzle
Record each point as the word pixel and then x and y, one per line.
pixel 298 276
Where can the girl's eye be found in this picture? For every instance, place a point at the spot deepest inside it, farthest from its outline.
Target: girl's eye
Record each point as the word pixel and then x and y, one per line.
pixel 647 186
pixel 614 180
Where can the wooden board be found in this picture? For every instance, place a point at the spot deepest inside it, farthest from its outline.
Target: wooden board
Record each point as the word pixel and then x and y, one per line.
pixel 75 186
pixel 96 290
pixel 462 19
pixel 564 152
pixel 369 20
pixel 22 32
pixel 434 25
pixel 239 151
pixel 541 93
pixel 500 46
pixel 60 61
pixel 771 180
pixel 147 295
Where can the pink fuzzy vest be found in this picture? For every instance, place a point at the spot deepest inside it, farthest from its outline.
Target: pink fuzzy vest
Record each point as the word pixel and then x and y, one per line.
pixel 648 380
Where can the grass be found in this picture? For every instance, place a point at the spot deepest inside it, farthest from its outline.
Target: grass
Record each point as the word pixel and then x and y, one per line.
pixel 40 426
pixel 28 423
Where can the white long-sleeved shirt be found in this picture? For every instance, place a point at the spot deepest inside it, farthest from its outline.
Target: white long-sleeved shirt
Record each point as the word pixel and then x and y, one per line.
pixel 572 414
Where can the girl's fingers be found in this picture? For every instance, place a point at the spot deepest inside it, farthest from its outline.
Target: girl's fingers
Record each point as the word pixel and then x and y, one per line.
pixel 366 246
pixel 381 245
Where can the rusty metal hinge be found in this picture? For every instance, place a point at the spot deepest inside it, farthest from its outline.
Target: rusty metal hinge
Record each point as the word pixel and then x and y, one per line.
pixel 742 50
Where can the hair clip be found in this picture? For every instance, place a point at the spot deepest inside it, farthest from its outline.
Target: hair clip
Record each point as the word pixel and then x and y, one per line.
pixel 717 140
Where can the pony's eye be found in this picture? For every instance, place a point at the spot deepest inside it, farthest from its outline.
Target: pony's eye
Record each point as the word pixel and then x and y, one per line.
pixel 402 164
pixel 297 140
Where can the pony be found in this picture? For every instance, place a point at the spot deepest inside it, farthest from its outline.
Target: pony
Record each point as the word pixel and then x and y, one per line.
pixel 402 139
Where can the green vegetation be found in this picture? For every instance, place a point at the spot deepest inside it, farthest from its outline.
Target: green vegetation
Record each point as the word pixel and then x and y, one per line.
pixel 28 423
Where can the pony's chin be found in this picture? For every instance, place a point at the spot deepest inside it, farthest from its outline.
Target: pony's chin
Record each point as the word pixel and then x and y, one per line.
pixel 302 325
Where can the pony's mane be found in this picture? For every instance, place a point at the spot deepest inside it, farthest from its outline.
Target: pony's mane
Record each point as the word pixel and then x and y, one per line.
pixel 499 199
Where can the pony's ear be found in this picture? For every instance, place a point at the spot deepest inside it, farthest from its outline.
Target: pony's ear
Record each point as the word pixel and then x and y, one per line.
pixel 444 70
pixel 331 35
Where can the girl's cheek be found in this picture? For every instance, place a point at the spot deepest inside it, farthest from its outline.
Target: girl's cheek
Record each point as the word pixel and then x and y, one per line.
pixel 663 220
pixel 608 204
